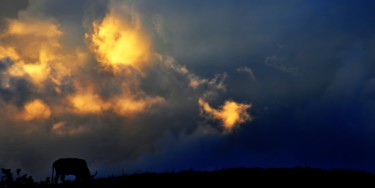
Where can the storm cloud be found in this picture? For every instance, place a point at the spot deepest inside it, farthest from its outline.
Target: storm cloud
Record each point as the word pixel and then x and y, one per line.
pixel 160 85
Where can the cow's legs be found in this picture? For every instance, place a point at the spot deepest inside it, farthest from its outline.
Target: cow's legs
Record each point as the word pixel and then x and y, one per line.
pixel 56 179
pixel 63 178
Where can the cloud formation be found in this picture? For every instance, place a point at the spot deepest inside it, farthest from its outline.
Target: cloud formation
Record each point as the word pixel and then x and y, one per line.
pixel 248 71
pixel 230 114
pixel 145 85
pixel 108 91
pixel 36 109
pixel 119 39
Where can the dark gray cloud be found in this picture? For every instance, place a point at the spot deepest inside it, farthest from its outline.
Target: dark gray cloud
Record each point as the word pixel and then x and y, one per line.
pixel 325 103
pixel 103 139
pixel 312 101
pixel 10 8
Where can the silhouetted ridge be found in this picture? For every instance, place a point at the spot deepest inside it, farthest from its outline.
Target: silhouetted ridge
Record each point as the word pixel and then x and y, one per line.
pixel 233 176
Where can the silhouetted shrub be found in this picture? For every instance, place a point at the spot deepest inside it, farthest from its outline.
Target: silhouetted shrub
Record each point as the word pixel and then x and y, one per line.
pixel 21 180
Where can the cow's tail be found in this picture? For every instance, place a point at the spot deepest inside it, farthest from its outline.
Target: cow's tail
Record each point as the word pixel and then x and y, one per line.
pixel 53 169
pixel 92 176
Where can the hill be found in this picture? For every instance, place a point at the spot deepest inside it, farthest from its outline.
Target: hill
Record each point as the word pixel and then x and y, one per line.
pixel 240 176
pixel 234 176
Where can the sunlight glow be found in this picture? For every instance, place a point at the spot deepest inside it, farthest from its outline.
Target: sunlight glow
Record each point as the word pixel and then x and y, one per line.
pixel 88 102
pixel 118 42
pixel 127 106
pixel 36 109
pixel 230 114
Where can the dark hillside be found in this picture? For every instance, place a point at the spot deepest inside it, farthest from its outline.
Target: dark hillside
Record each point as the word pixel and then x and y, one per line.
pixel 235 176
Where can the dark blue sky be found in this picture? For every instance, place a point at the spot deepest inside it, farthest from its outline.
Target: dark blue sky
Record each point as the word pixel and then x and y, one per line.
pixel 306 67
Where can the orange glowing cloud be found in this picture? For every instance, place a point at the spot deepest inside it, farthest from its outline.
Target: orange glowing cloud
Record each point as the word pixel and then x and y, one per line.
pixel 128 106
pixel 33 44
pixel 117 41
pixel 40 55
pixel 9 52
pixel 38 73
pixel 87 102
pixel 119 45
pixel 38 28
pixel 35 40
pixel 230 114
pixel 35 109
pixel 62 129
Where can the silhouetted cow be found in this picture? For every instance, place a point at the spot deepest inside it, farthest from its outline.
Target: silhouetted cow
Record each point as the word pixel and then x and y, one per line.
pixel 71 166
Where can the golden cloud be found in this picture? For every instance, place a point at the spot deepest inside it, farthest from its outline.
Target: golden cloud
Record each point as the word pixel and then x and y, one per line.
pixel 87 101
pixel 61 128
pixel 128 106
pixel 230 114
pixel 118 42
pixel 35 109
pixel 38 28
pixel 33 45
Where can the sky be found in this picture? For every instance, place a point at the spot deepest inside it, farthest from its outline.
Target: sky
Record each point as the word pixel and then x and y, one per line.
pixel 140 85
